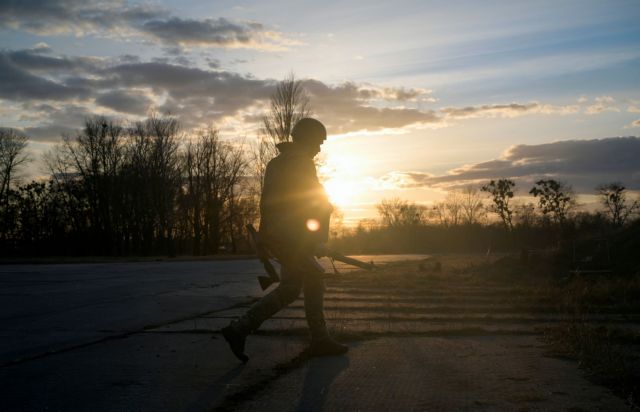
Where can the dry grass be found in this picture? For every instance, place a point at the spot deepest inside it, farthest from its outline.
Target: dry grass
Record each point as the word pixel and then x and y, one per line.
pixel 608 355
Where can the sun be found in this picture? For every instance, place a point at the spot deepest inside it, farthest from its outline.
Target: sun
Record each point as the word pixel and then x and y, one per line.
pixel 341 192
pixel 342 177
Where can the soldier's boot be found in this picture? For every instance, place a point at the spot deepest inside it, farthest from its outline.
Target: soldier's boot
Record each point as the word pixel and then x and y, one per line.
pixel 236 333
pixel 236 342
pixel 326 347
pixel 321 344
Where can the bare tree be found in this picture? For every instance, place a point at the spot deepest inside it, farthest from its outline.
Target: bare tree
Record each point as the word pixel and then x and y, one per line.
pixel 396 212
pixel 617 206
pixel 525 215
pixel 58 164
pixel 262 152
pixel 97 154
pixel 289 103
pixel 214 171
pixel 554 198
pixel 471 204
pixel 12 157
pixel 161 135
pixel 448 212
pixel 501 192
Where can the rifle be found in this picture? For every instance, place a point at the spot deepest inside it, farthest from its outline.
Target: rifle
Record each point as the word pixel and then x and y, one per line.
pixel 265 257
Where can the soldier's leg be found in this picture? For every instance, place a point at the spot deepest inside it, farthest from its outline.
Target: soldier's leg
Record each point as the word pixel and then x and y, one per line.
pixel 314 305
pixel 285 293
pixel 321 342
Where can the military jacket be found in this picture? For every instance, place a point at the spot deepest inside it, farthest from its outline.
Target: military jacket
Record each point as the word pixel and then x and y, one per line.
pixel 291 197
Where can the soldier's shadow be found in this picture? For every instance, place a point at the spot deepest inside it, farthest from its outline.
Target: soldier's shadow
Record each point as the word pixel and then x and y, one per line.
pixel 320 375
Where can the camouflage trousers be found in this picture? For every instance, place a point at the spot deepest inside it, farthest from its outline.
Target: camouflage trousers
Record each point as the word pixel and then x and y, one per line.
pixel 297 274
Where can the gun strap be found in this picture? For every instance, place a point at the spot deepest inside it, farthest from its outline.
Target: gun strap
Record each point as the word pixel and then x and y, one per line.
pixel 335 269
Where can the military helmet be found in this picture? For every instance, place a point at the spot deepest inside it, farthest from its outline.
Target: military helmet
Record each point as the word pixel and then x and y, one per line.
pixel 309 131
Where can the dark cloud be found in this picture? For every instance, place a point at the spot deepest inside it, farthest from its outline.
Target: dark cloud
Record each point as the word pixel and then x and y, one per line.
pixel 197 95
pixel 193 94
pixel 38 60
pixel 49 133
pixel 213 63
pixel 506 110
pixel 128 58
pixel 125 101
pixel 346 108
pixel 201 96
pixel 470 111
pixel 118 18
pixel 63 120
pixel 74 16
pixel 208 32
pixel 582 163
pixel 179 60
pixel 19 84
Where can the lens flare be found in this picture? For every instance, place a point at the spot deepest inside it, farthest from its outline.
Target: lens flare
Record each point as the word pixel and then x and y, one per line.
pixel 313 225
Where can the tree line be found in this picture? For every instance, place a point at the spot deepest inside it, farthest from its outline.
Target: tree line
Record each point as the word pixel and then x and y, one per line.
pixel 487 218
pixel 141 188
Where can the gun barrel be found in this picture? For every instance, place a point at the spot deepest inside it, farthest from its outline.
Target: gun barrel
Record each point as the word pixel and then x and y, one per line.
pixel 351 261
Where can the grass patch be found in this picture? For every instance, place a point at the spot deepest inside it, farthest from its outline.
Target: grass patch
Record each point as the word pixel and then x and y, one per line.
pixel 608 355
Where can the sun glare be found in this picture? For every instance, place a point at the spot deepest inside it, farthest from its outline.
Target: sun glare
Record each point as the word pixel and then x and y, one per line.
pixel 342 177
pixel 341 192
pixel 313 225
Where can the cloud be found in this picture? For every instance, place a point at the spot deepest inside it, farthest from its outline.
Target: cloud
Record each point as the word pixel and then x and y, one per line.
pixel 79 17
pixel 16 83
pixel 582 163
pixel 635 123
pixel 125 101
pixel 120 19
pixel 205 96
pixel 197 96
pixel 506 110
pixel 193 94
pixel 602 104
pixel 218 32
pixel 405 180
pixel 399 94
pixel 59 120
pixel 39 60
pixel 347 108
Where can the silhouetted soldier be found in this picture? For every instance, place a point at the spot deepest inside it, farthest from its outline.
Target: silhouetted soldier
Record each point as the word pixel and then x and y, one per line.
pixel 294 213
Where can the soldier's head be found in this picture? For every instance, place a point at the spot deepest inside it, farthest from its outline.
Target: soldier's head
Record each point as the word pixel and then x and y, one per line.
pixel 309 134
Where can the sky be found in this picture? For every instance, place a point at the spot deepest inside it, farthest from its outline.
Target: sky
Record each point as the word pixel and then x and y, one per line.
pixel 419 97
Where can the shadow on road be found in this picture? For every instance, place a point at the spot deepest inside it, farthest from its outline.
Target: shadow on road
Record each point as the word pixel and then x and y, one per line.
pixel 320 375
pixel 214 391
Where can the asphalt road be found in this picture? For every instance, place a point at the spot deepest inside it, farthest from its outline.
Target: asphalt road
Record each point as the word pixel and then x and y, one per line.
pixel 144 337
pixel 47 308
